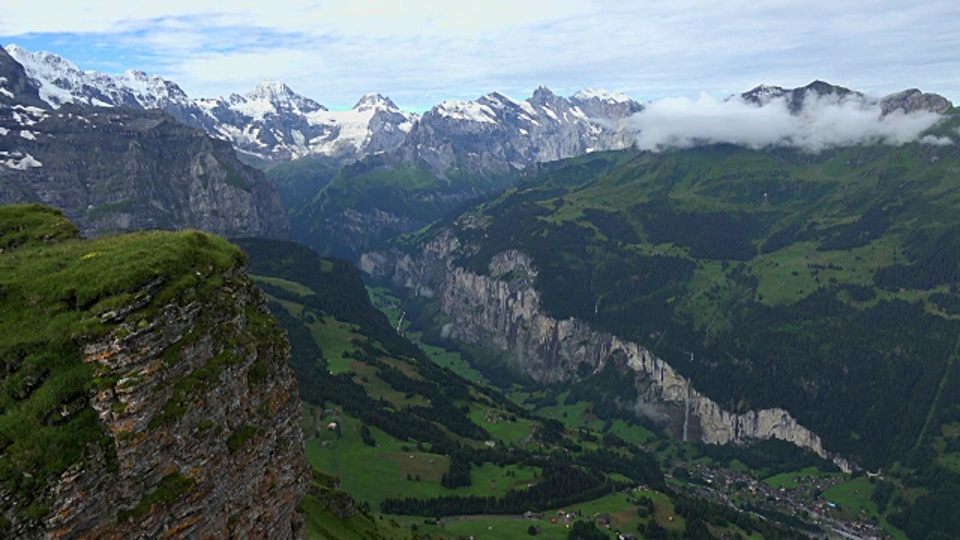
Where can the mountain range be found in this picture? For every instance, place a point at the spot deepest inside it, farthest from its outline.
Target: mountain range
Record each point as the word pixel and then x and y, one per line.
pixel 112 169
pixel 272 123
pixel 906 101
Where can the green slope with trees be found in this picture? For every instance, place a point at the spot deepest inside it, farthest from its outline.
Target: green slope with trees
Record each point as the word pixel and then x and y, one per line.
pixel 824 283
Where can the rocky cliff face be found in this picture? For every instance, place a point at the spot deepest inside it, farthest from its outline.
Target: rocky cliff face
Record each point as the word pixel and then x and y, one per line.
pixel 203 404
pixel 119 169
pixel 197 411
pixel 914 100
pixel 502 311
pixel 16 86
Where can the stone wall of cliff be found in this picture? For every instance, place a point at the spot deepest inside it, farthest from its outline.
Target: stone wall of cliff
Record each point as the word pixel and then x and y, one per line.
pixel 193 412
pixel 502 310
pixel 205 416
pixel 116 170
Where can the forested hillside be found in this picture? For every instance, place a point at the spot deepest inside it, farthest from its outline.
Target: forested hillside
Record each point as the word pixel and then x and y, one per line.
pixel 822 283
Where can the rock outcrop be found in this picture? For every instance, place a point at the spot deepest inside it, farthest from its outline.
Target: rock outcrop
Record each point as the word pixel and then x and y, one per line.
pixel 193 413
pixel 203 401
pixel 502 311
pixel 116 170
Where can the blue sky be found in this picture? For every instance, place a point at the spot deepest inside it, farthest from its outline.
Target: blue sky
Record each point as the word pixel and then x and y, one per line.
pixel 421 52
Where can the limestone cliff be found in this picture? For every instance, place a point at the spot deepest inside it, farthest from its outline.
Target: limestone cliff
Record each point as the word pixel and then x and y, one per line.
pixel 186 409
pixel 502 310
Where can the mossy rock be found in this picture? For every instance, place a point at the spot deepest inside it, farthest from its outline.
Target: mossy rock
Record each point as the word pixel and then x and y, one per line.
pixel 58 291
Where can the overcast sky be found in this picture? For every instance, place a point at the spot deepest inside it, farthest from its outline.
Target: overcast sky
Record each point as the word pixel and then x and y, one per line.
pixel 422 52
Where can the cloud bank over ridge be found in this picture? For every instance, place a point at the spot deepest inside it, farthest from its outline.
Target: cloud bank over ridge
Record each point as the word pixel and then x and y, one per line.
pixel 824 122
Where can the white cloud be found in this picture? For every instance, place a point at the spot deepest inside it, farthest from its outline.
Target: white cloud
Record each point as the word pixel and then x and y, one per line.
pixel 367 17
pixel 824 122
pixel 423 51
pixel 936 141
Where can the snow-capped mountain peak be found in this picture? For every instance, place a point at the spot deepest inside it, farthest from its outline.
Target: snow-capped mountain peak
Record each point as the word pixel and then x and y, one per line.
pixel 495 133
pixel 469 111
pixel 375 102
pixel 763 93
pixel 600 103
pixel 796 99
pixel 135 74
pixel 54 62
pixel 61 81
pixel 55 76
pixel 271 90
pixel 152 91
pixel 498 100
pixel 281 96
pixel 542 94
pixel 270 123
pixel 601 94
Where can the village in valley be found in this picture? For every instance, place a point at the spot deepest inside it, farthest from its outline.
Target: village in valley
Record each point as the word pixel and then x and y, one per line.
pixel 796 498
pixel 823 504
